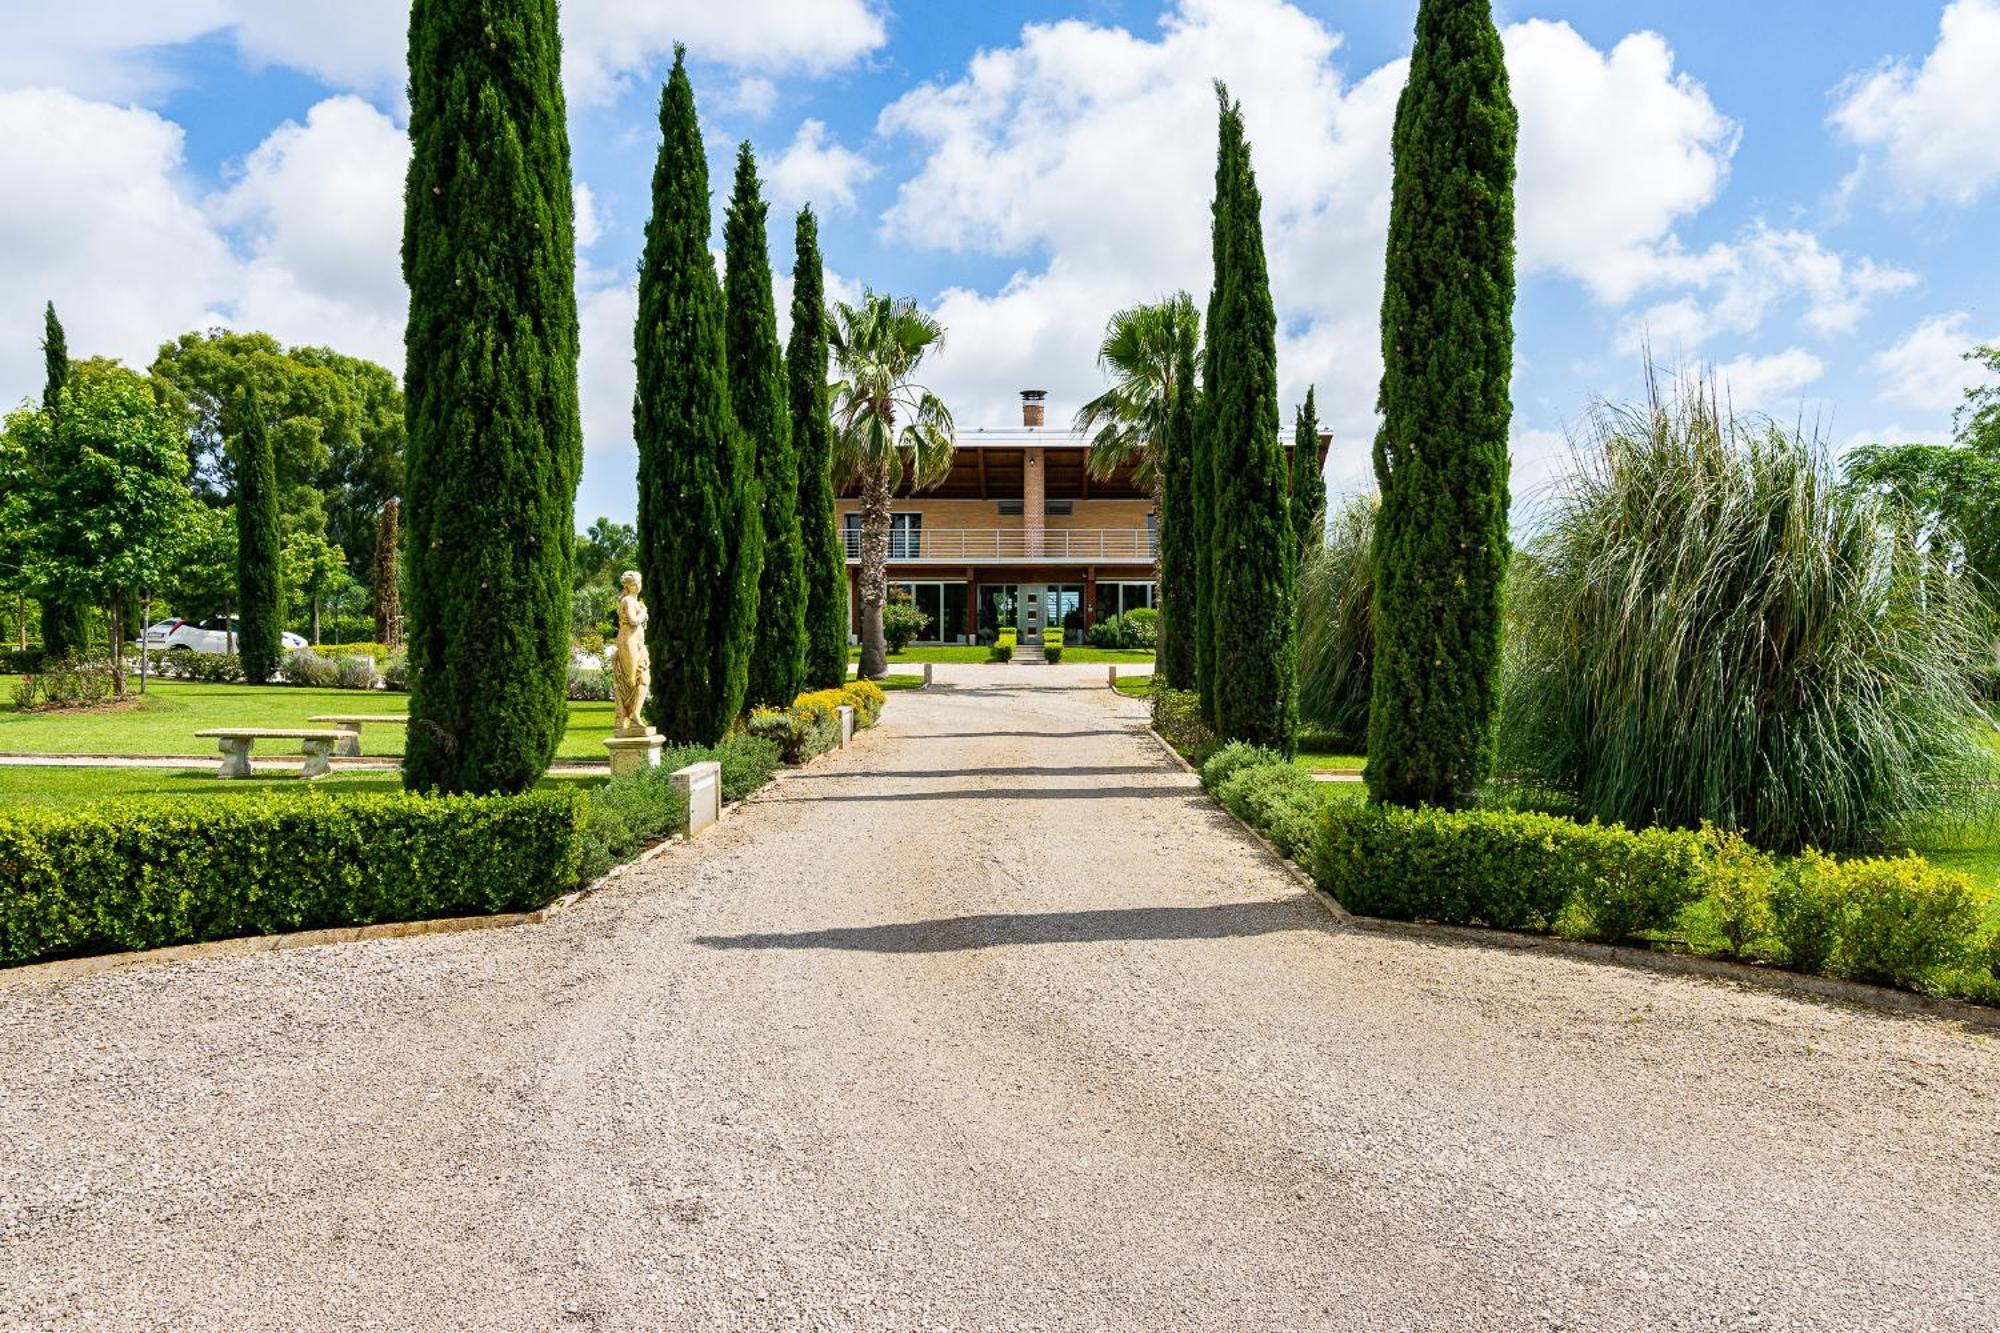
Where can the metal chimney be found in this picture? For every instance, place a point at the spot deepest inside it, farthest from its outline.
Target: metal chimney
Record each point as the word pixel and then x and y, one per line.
pixel 1031 406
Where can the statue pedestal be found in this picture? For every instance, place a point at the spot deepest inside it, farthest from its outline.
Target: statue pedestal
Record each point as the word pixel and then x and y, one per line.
pixel 634 749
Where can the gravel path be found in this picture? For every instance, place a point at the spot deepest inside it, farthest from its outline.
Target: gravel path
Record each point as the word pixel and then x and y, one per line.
pixel 989 1023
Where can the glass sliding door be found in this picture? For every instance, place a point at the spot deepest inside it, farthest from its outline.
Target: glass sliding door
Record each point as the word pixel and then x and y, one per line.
pixel 943 606
pixel 999 605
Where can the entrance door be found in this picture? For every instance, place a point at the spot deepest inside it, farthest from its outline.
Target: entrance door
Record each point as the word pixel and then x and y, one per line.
pixel 1031 612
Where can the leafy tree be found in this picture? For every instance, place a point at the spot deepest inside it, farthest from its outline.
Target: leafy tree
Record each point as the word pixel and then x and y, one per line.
pixel 757 394
pixel 102 484
pixel 1308 484
pixel 604 551
pixel 886 427
pixel 1441 544
pixel 201 578
pixel 64 627
pixel 824 555
pixel 315 570
pixel 700 525
pixel 364 466
pixel 495 440
pixel 1252 542
pixel 387 589
pixel 259 580
pixel 1180 550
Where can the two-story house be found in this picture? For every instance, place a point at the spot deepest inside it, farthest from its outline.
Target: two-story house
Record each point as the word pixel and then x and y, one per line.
pixel 1019 534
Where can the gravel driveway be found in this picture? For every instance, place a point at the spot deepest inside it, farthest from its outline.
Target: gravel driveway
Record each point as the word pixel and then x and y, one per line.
pixel 989 1023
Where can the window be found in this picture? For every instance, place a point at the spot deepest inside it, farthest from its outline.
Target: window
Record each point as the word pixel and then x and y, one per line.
pixel 1061 508
pixel 944 604
pixel 1011 508
pixel 1115 599
pixel 905 535
pixel 997 605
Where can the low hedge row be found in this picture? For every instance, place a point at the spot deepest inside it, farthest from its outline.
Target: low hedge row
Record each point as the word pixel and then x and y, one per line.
pixel 811 726
pixel 142 874
pixel 1897 921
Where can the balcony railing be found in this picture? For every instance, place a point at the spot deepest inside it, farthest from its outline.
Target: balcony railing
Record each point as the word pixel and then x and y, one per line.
pixel 963 544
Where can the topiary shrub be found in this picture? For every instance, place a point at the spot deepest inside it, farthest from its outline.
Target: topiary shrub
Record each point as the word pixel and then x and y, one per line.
pixel 1001 651
pixel 141 874
pixel 1279 800
pixel 1225 762
pixel 1903 919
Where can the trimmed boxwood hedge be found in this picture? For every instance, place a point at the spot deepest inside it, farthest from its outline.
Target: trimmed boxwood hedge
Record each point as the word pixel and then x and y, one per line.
pixel 142 874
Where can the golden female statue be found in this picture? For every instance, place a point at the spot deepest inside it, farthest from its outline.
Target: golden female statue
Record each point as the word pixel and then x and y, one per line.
pixel 631 668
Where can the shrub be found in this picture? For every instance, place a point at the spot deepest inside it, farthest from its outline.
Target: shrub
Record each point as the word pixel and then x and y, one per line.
pixel 141 874
pixel 355 673
pixel 1738 883
pixel 1712 628
pixel 1177 717
pixel 378 652
pixel 625 816
pixel 396 672
pixel 588 686
pixel 209 668
pixel 1903 919
pixel 901 622
pixel 867 699
pixel 1279 800
pixel 747 764
pixel 1992 952
pixel 1506 869
pixel 1001 651
pixel 1806 911
pixel 20 661
pixel 1225 762
pixel 1145 622
pixel 306 667
pixel 808 728
pixel 1137 628
pixel 64 682
pixel 1052 650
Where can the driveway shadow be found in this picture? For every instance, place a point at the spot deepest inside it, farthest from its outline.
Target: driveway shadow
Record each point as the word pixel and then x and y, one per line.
pixel 1023 771
pixel 956 934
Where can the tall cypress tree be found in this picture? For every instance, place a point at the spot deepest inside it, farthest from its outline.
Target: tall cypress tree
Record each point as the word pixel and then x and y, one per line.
pixel 388 589
pixel 757 393
pixel 64 630
pixel 495 444
pixel 1180 554
pixel 1252 545
pixel 1307 483
pixel 700 527
pixel 823 556
pixel 259 597
pixel 1441 544
pixel 1228 152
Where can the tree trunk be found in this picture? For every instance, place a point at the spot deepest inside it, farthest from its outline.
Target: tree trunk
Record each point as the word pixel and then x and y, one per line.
pixel 145 619
pixel 115 625
pixel 21 620
pixel 228 627
pixel 315 620
pixel 874 572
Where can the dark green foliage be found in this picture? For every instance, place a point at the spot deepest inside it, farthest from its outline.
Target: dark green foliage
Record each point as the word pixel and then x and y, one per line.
pixel 55 358
pixel 1178 718
pixel 757 393
pixel 1252 545
pixel 1441 453
pixel 259 591
pixel 1308 485
pixel 495 441
pixel 823 557
pixel 1278 799
pixel 1229 153
pixel 1180 536
pixel 142 874
pixel 65 631
pixel 700 526
pixel 628 814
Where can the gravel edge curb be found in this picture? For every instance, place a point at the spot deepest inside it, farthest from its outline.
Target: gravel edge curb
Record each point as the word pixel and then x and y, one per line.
pixel 1794 985
pixel 71 969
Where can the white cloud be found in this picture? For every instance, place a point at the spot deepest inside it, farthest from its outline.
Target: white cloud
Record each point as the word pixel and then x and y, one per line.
pixel 1935 125
pixel 1771 383
pixel 815 169
pixel 94 217
pixel 319 207
pixel 754 96
pixel 589 223
pixel 123 48
pixel 1616 147
pixel 1926 369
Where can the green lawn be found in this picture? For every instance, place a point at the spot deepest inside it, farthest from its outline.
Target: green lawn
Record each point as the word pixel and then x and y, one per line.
pixel 893 681
pixel 74 786
pixel 961 652
pixel 1315 760
pixel 1135 687
pixel 164 722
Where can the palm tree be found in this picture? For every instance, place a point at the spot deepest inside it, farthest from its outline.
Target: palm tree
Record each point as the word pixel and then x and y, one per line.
pixel 886 427
pixel 1127 422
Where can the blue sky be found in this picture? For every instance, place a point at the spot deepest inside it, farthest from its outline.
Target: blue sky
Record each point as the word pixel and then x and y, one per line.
pixel 1794 193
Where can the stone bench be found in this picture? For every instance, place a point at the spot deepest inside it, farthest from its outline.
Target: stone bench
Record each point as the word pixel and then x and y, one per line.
pixel 350 748
pixel 235 744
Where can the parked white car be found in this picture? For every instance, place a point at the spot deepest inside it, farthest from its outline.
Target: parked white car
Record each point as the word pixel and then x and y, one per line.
pixel 215 635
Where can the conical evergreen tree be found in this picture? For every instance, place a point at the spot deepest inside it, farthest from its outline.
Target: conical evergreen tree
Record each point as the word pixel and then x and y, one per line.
pixel 1252 543
pixel 1229 151
pixel 64 630
pixel 1308 485
pixel 1441 544
pixel 824 558
pixel 1180 554
pixel 388 590
pixel 757 392
pixel 495 443
pixel 259 594
pixel 700 527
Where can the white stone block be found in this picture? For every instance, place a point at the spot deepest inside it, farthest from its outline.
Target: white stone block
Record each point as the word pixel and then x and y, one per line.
pixel 700 787
pixel 846 712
